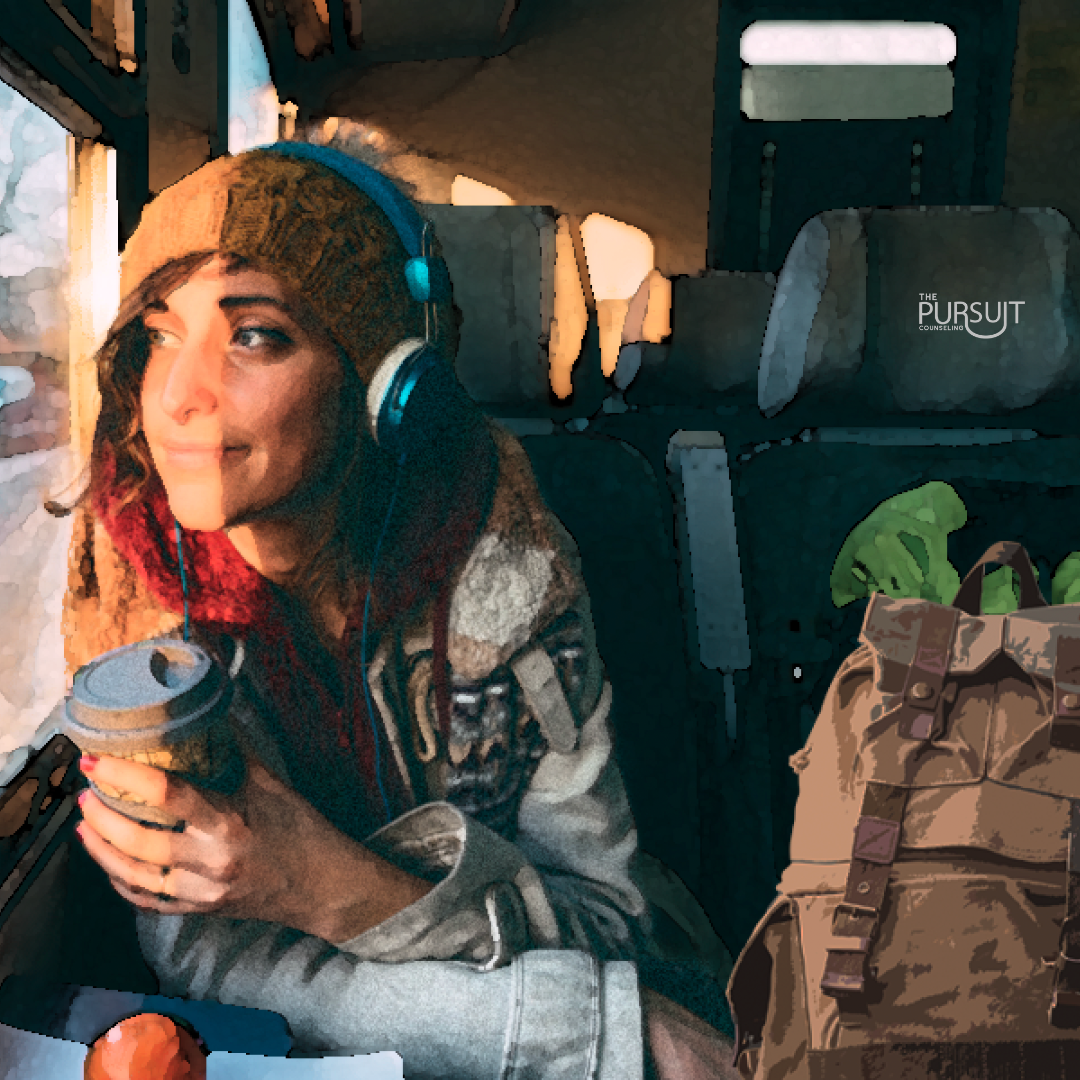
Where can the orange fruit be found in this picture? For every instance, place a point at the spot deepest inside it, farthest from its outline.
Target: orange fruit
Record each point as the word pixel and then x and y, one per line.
pixel 146 1047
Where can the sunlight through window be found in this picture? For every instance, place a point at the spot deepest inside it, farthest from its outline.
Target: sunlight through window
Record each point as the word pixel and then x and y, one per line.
pixel 467 192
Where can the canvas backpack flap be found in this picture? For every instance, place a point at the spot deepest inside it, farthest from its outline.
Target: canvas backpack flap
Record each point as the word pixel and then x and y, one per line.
pixel 1035 735
pixel 874 710
pixel 930 725
pixel 867 732
pixel 991 777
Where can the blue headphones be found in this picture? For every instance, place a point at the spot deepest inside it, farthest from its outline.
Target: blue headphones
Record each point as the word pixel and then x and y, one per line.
pixel 413 393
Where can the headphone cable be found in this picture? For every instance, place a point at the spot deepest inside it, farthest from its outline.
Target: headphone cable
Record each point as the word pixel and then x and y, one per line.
pixel 363 638
pixel 183 577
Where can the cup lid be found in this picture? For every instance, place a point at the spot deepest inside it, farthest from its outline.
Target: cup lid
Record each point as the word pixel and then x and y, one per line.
pixel 157 686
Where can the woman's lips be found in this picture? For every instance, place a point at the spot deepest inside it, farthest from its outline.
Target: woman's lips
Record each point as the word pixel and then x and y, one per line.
pixel 196 458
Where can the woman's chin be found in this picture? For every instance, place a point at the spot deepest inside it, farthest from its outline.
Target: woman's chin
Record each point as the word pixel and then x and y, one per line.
pixel 205 514
pixel 201 522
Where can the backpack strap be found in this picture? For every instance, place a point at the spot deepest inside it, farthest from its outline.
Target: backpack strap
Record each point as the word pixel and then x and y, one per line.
pixel 1065 1001
pixel 1065 734
pixel 855 920
pixel 1007 553
pixel 921 715
pixel 1065 723
pixel 877 832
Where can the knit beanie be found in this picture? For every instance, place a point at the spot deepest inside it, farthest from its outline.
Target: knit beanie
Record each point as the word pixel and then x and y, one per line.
pixel 314 230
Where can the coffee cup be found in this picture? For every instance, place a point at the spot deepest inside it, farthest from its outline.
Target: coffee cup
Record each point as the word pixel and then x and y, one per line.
pixel 162 702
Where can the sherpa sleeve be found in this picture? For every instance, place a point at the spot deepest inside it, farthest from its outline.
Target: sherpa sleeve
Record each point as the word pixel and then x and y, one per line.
pixel 536 852
pixel 531 841
pixel 548 1014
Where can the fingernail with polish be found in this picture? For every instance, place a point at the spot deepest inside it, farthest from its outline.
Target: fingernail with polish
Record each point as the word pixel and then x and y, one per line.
pixel 82 798
pixel 87 763
pixel 79 832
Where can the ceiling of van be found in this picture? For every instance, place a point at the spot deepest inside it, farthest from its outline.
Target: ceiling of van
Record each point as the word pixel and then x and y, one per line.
pixel 312 43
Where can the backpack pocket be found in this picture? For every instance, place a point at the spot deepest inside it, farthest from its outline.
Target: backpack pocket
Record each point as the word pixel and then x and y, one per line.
pixel 959 956
pixel 768 998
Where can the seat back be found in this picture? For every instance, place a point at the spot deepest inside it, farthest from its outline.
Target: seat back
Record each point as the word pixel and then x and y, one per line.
pixel 502 264
pixel 612 503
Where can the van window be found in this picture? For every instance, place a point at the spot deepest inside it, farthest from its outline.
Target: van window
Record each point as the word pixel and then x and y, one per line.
pixel 253 101
pixel 36 273
pixel 33 277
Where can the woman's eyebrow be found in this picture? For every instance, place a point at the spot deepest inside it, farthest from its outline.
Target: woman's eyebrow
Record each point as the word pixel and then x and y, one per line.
pixel 228 302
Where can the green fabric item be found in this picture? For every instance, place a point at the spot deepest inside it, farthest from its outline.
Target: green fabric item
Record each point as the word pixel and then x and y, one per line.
pixel 1066 586
pixel 901 549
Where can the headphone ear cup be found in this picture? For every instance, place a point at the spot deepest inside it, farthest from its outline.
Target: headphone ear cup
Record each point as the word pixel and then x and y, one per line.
pixel 435 409
pixel 415 398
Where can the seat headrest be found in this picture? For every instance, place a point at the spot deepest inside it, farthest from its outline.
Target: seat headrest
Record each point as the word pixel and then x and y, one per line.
pixel 966 309
pixel 502 265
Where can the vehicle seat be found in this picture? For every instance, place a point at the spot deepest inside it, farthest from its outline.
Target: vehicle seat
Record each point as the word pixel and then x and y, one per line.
pixel 608 497
pixel 502 263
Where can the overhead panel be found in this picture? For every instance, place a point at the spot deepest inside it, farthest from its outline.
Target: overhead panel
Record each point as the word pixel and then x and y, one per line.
pixel 418 28
pixel 309 22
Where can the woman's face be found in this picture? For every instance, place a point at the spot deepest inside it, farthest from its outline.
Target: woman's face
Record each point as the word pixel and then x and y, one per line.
pixel 240 401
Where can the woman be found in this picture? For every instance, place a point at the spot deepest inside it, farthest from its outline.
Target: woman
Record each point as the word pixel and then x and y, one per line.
pixel 461 802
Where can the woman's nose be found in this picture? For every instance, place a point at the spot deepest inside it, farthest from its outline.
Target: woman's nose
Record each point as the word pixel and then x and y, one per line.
pixel 191 381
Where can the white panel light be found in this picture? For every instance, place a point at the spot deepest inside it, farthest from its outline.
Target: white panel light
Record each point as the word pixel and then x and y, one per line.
pixel 879 43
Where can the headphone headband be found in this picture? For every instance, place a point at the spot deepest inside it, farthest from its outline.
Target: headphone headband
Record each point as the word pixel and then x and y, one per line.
pixel 425 275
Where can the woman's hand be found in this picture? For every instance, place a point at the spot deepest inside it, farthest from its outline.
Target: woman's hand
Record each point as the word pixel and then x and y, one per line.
pixel 265 854
pixel 682 1046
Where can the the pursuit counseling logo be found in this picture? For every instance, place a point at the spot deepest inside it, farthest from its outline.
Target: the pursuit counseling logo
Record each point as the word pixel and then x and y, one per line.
pixel 976 312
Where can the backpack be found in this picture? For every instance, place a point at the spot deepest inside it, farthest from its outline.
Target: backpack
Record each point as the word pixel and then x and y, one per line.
pixel 928 927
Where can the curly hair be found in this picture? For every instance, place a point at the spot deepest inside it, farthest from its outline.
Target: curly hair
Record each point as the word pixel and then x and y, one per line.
pixel 333 564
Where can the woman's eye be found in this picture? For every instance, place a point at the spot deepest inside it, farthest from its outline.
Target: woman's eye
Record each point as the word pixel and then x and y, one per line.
pixel 247 337
pixel 155 336
pixel 270 337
